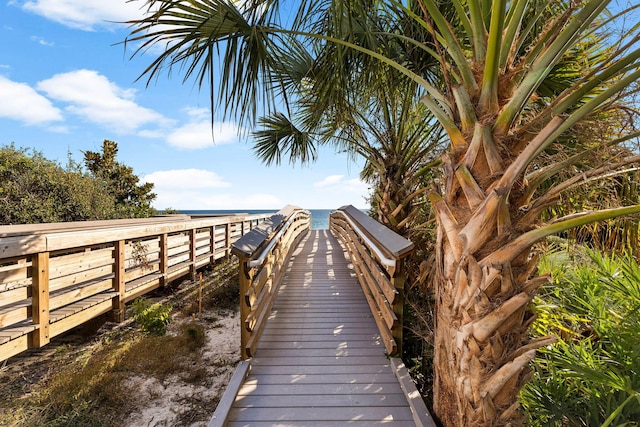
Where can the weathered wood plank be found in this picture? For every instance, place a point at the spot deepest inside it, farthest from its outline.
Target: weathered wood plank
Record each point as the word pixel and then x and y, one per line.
pixel 323 370
pixel 421 414
pixel 323 378
pixel 320 359
pixel 12 347
pixel 341 344
pixel 79 318
pixel 331 400
pixel 318 352
pixel 224 406
pixel 318 413
pixel 325 423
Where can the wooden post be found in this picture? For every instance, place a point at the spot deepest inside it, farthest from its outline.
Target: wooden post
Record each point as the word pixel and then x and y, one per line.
pixel 227 240
pixel 164 259
pixel 192 254
pixel 398 281
pixel 117 303
pixel 212 245
pixel 245 276
pixel 40 299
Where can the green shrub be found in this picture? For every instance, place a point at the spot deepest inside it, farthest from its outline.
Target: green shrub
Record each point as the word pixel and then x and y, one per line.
pixel 152 318
pixel 194 336
pixel 591 376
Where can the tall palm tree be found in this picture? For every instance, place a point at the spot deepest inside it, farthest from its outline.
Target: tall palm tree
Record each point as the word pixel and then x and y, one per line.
pixel 514 81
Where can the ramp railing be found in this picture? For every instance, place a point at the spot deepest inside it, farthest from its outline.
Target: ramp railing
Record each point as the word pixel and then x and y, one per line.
pixel 263 255
pixel 377 254
pixel 54 277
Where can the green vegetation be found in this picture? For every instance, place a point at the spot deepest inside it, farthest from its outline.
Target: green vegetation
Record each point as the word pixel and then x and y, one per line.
pixel 591 376
pixel 153 318
pixel 536 102
pixel 132 200
pixel 96 385
pixel 37 190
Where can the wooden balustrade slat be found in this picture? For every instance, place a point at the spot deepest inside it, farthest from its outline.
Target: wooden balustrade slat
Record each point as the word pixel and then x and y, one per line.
pixel 14 313
pixel 74 293
pixel 80 277
pixel 77 315
pixel 83 270
pixel 65 265
pixel 11 264
pixel 12 297
pixel 371 244
pixel 392 243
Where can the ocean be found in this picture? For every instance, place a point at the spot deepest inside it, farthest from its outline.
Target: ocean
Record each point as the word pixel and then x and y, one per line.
pixel 319 217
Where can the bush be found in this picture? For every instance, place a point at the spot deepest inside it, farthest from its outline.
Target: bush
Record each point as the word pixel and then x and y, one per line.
pixel 194 336
pixel 152 318
pixel 591 377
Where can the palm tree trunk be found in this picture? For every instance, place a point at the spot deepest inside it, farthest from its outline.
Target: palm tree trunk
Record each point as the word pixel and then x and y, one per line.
pixel 480 353
pixel 481 345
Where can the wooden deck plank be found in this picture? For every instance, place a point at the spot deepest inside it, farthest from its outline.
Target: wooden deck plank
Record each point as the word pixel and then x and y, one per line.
pixel 321 413
pixel 323 370
pixel 337 345
pixel 255 389
pixel 311 338
pixel 351 423
pixel 335 401
pixel 322 378
pixel 320 360
pixel 320 352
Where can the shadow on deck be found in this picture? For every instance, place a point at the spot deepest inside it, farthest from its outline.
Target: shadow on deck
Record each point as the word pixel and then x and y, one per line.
pixel 321 361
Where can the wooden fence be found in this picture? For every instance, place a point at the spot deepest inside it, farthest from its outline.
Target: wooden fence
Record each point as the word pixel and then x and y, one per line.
pixel 54 277
pixel 263 256
pixel 377 254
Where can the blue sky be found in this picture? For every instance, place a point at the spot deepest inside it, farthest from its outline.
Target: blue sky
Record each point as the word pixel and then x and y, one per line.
pixel 66 84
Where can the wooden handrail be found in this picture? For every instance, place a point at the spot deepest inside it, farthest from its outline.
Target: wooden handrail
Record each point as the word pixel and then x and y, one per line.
pixel 263 255
pixel 58 276
pixel 377 255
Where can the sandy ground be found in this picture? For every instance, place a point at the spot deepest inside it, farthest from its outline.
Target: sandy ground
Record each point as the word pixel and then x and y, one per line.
pixel 174 402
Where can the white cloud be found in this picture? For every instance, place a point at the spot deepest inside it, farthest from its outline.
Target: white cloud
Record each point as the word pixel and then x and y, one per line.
pixel 86 15
pixel 329 181
pixel 93 97
pixel 338 185
pixel 21 102
pixel 41 41
pixel 198 132
pixel 187 179
pixel 201 189
pixel 215 200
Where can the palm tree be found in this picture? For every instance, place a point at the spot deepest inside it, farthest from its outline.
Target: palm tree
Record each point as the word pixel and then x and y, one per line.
pixel 385 126
pixel 513 83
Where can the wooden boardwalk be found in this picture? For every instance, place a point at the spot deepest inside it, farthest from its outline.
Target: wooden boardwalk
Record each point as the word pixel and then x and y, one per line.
pixel 320 361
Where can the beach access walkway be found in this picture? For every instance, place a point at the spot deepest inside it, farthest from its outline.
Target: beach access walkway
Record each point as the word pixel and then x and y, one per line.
pixel 321 360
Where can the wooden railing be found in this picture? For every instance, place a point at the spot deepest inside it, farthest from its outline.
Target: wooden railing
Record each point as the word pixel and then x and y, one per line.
pixel 263 255
pixel 377 254
pixel 54 277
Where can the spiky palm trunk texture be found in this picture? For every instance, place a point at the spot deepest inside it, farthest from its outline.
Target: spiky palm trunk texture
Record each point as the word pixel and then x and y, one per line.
pixel 481 345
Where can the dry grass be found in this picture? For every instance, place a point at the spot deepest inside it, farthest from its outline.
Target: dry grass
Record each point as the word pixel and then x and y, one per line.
pixel 91 384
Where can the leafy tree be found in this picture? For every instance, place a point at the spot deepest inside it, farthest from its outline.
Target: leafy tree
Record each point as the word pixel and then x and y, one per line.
pixel 132 200
pixel 36 190
pixel 512 83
